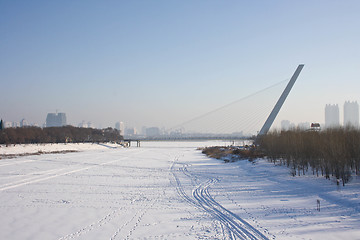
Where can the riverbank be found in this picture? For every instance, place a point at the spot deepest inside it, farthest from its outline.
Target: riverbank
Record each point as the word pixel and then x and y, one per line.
pixel 17 150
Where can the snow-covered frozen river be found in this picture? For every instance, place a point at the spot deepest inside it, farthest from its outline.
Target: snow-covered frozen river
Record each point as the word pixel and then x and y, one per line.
pixel 166 190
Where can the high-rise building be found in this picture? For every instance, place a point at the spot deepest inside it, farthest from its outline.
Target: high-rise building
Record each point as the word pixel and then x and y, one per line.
pixel 130 131
pixel 152 132
pixel 56 120
pixel 351 114
pixel 143 130
pixel 62 119
pixel 8 124
pixel 120 126
pixel 332 116
pixel 24 123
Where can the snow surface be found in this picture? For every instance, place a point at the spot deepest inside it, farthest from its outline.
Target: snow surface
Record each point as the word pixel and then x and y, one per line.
pixel 165 190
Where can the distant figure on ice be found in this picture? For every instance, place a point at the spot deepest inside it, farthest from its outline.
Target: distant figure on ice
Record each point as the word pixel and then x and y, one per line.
pixel 318 205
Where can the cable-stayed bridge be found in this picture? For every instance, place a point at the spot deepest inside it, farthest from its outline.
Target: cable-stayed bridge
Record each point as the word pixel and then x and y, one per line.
pixel 244 118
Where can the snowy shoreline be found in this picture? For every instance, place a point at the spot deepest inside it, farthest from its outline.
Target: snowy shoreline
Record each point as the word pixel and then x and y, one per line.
pixel 4 156
pixel 14 150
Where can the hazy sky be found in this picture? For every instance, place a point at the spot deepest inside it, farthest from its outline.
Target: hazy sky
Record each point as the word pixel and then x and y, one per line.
pixel 160 63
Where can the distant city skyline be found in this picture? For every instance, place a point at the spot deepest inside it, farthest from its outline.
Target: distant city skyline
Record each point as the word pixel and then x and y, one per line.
pixel 162 63
pixel 349 115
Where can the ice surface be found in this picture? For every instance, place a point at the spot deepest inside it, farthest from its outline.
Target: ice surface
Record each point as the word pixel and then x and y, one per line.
pixel 165 190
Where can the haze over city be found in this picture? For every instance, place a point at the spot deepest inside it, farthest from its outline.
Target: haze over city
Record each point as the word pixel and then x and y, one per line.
pixel 160 63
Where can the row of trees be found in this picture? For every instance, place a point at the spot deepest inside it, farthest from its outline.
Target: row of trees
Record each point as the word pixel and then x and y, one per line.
pixel 333 152
pixel 57 135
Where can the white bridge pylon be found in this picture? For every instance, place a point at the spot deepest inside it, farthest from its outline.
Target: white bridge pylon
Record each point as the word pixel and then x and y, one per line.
pixel 269 121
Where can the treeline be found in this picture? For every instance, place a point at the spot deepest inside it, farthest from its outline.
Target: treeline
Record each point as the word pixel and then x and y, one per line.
pixel 333 152
pixel 57 135
pixel 235 153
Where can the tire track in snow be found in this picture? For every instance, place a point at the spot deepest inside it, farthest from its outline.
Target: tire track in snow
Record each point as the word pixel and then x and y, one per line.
pixel 201 193
pixel 14 162
pixel 179 188
pixel 56 173
pixel 233 227
pixel 33 177
pixel 238 227
pixel 181 192
pixel 19 175
pixel 36 179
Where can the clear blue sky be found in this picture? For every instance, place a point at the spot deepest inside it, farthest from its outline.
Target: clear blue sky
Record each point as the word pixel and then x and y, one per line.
pixel 159 63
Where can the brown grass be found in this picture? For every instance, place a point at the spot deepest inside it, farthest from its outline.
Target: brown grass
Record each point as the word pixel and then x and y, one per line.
pixel 233 152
